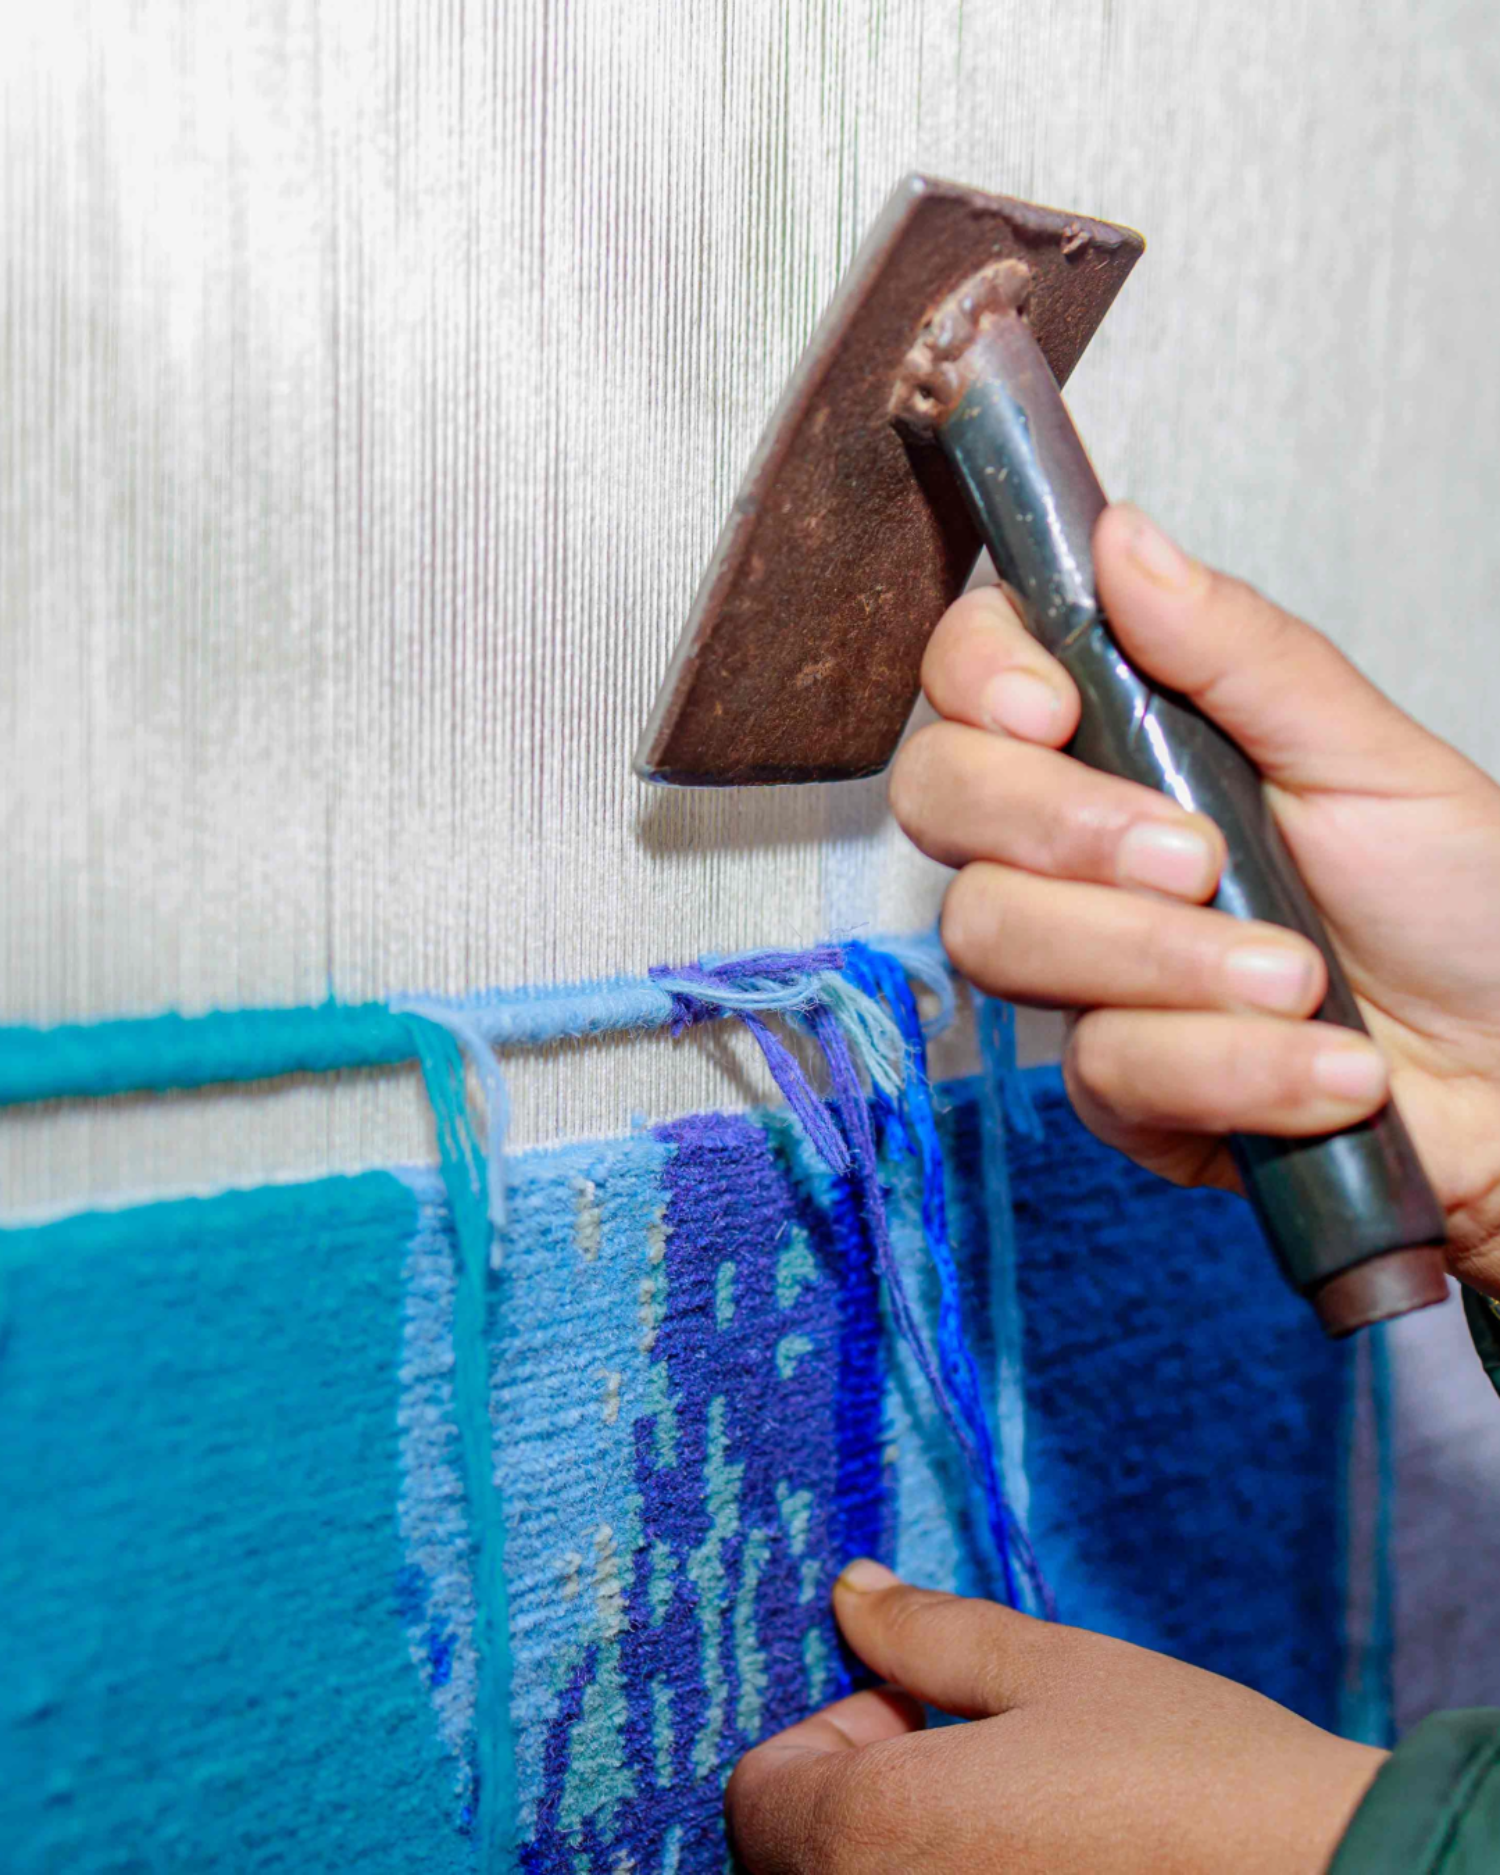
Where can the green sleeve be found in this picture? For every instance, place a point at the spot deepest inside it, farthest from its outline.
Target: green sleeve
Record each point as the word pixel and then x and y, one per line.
pixel 1484 1326
pixel 1434 1808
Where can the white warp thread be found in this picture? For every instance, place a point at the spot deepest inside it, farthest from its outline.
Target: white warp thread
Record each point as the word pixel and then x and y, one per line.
pixel 377 374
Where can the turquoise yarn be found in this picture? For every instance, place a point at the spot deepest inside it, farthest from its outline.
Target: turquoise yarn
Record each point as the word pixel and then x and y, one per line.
pixel 150 1054
pixel 466 1180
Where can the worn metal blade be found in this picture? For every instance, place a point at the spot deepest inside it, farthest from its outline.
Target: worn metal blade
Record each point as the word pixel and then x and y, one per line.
pixel 848 540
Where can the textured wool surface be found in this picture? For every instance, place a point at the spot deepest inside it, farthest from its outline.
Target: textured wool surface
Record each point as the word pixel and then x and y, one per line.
pixel 1144 1314
pixel 198 1460
pixel 238 1581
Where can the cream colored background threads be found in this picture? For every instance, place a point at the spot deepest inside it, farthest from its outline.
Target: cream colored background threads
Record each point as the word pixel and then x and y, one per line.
pixel 376 377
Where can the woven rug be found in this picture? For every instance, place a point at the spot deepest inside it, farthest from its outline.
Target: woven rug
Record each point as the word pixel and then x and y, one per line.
pixel 250 1622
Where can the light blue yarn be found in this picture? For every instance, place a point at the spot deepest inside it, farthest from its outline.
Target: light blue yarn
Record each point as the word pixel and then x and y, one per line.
pixel 530 1018
pixel 997 1049
pixel 154 1054
pixel 921 955
pixel 468 1031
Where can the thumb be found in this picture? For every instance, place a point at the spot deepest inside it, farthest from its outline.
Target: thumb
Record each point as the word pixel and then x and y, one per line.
pixel 1293 702
pixel 970 1658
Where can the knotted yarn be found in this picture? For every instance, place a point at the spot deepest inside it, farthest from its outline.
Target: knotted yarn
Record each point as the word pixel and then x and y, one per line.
pixel 856 1004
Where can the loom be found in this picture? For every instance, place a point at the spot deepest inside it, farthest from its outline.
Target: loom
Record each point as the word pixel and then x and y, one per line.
pixel 434 1396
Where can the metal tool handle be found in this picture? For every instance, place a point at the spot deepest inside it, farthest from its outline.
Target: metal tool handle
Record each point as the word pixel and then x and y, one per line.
pixel 1351 1216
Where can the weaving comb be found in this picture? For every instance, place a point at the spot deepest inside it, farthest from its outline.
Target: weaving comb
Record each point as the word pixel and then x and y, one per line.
pixel 924 421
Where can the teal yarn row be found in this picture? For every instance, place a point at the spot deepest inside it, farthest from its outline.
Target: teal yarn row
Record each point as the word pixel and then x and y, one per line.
pixel 365 1201
pixel 154 1054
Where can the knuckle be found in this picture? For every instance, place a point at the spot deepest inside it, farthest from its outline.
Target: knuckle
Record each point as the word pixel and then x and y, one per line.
pixel 1237 1076
pixel 1092 1056
pixel 1277 631
pixel 1285 1070
pixel 840 1821
pixel 832 1814
pixel 768 1828
pixel 860 1816
pixel 1086 842
pixel 970 917
pixel 916 774
pixel 906 1615
pixel 943 646
pixel 1250 1064
pixel 1185 961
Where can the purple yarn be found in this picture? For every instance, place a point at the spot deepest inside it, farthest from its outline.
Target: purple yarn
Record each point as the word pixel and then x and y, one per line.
pixel 741 977
pixel 748 987
pixel 763 980
pixel 800 1095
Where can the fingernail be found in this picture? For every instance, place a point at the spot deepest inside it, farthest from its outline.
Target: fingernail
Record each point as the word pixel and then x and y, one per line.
pixel 1352 1071
pixel 1023 704
pixel 1271 977
pixel 865 1574
pixel 1166 859
pixel 1158 558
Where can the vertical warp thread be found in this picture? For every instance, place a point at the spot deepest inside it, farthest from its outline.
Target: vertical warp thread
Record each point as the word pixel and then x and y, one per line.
pixel 466 1180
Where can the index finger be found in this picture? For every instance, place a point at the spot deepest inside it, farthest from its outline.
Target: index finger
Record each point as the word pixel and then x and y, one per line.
pixel 983 667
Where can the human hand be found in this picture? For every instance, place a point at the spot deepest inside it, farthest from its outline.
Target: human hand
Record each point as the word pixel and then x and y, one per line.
pixel 1089 1757
pixel 1194 1024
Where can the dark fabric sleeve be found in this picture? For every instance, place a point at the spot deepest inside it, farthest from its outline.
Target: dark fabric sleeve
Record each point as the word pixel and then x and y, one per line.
pixel 1434 1808
pixel 1484 1326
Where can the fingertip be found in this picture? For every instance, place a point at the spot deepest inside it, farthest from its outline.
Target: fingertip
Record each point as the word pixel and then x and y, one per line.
pixel 1181 856
pixel 1025 705
pixel 982 667
pixel 864 1575
pixel 1350 1069
pixel 868 1717
pixel 1212 1073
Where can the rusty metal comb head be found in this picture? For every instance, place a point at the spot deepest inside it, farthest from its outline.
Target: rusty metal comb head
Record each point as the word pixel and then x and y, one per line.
pixel 849 539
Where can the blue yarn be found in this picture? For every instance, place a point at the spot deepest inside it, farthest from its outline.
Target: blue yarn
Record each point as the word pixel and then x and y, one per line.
pixel 816 987
pixel 465 1178
pixel 921 955
pixel 1003 1289
pixel 912 1125
pixel 838 994
pixel 1382 1651
pixel 997 1048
